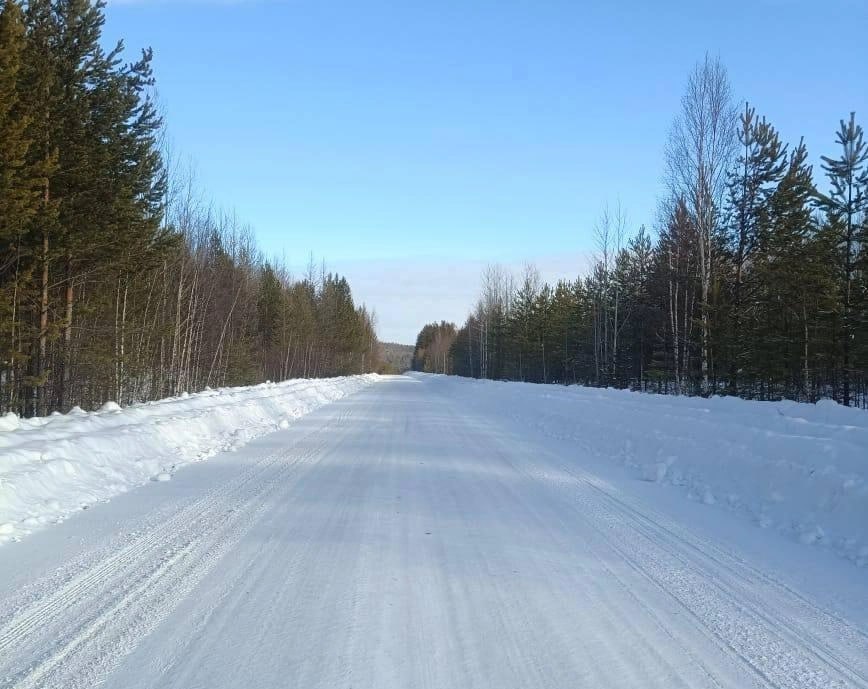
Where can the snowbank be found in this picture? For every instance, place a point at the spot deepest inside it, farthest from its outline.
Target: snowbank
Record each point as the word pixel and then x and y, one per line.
pixel 51 467
pixel 800 469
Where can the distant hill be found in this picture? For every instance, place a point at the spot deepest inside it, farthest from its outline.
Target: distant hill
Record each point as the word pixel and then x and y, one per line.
pixel 395 358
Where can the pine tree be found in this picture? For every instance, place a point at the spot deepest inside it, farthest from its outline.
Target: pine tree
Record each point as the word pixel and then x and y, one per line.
pixel 791 278
pixel 845 205
pixel 565 321
pixel 40 94
pixel 635 273
pixel 269 311
pixel 522 328
pixel 545 335
pixel 19 197
pixel 16 184
pixel 81 235
pixel 757 172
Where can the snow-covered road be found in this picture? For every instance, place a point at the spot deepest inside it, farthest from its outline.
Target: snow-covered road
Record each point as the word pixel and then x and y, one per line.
pixel 411 536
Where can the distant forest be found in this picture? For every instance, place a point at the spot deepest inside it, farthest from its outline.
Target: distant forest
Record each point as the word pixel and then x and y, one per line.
pixel 753 283
pixel 395 358
pixel 117 280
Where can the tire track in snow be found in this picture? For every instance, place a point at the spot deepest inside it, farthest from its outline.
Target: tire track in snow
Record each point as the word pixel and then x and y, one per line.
pixel 124 596
pixel 629 641
pixel 806 647
pixel 741 583
pixel 777 648
pixel 53 592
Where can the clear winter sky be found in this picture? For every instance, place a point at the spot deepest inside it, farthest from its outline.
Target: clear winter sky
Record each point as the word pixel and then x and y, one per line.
pixel 411 142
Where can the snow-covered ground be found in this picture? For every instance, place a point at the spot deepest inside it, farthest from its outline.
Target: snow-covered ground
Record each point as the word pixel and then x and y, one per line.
pixel 798 469
pixel 55 466
pixel 433 532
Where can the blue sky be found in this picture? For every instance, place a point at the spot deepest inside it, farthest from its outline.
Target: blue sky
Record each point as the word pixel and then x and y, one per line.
pixel 409 143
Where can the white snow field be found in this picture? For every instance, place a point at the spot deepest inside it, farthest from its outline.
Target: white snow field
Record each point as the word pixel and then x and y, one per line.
pixel 436 532
pixel 52 467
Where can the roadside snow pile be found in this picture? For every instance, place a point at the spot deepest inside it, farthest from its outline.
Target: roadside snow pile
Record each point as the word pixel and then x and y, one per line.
pixel 51 467
pixel 800 469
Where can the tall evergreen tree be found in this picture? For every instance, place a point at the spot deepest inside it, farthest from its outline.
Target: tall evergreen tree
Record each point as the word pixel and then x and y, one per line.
pixel 753 180
pixel 845 206
pixel 40 84
pixel 792 290
pixel 19 197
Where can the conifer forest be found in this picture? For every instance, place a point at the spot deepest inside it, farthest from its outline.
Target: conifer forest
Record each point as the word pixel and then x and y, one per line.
pixel 118 279
pixel 751 281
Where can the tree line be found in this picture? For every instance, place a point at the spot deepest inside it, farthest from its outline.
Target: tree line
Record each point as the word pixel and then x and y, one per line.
pixel 432 353
pixel 755 283
pixel 395 358
pixel 117 281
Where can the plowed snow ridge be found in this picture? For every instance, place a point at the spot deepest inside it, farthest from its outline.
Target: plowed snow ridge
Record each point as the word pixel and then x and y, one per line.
pixel 53 467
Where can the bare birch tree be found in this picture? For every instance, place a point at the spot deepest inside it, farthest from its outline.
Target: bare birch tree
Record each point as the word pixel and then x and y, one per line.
pixel 701 146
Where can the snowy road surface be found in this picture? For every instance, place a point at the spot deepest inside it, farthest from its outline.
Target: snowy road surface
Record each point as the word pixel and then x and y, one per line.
pixel 408 536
